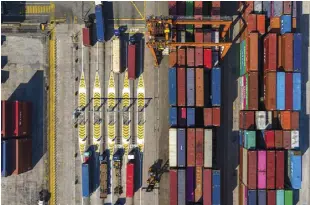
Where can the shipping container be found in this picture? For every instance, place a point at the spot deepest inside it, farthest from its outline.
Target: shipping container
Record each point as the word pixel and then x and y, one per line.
pixel 103 176
pixel 190 117
pixel 199 87
pixel 207 53
pixel 279 169
pixel 182 116
pixel 172 87
pixel 271 160
pixel 181 7
pixel 270 52
pixel 294 9
pixel 173 187
pixel 277 8
pixel 181 87
pixel 216 187
pixel 249 139
pixel 252 170
pixel 198 188
pixel 173 147
pixel 244 166
pixel 198 56
pixel 287 139
pixel 242 58
pixel 189 13
pixel 261 24
pixel 7 157
pixel 181 148
pixel 252 60
pixel 269 139
pixel 252 197
pixel 275 25
pixel 287 51
pixel 86 36
pixel 216 116
pixel 172 59
pixel 288 91
pixel 198 36
pixel 270 90
pixel 252 91
pixel 215 58
pixel 207 36
pixel 172 8
pixel 6 118
pixel 260 120
pixel 294 168
pixel 216 86
pixel 130 180
pixel 261 170
pixel 288 197
pixel 22 118
pixel 294 139
pixel 181 57
pixel 267 8
pixel 191 144
pixel 207 185
pixel 173 116
pixel 181 187
pixel 116 55
pixel 278 135
pixel 190 86
pixel 297 52
pixel 246 120
pixel 208 148
pixel 182 36
pixel 199 147
pixel 287 7
pixel 85 180
pixel 198 12
pixel 251 23
pixel 190 57
pixel 131 62
pixel 285 120
pixel 100 27
pixel 280 90
pixel 243 91
pixel 262 195
pixel 294 120
pixel 258 6
pixel 271 197
pixel 286 24
pixel 190 184
pixel 207 116
pixel 280 197
pixel 296 91
pixel 23 155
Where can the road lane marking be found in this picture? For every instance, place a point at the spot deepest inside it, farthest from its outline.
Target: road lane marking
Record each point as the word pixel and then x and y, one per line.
pixel 137 9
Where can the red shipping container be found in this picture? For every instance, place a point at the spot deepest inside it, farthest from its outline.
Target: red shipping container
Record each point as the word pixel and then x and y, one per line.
pixel 287 7
pixel 207 36
pixel 191 147
pixel 198 8
pixel 22 118
pixel 278 135
pixel 199 36
pixel 216 4
pixel 207 187
pixel 172 59
pixel 249 9
pixel 181 57
pixel 86 36
pixel 131 62
pixel 216 116
pixel 23 155
pixel 130 180
pixel 173 187
pixel 295 120
pixel 270 52
pixel 207 58
pixel 287 139
pixel 252 170
pixel 190 57
pixel 253 91
pixel 199 87
pixel 280 169
pixel 287 51
pixel 172 8
pixel 199 147
pixel 271 197
pixel 251 23
pixel 181 86
pixel 261 23
pixel 207 117
pixel 270 84
pixel 246 120
pixel 198 56
pixel 269 139
pixel 271 169
pixel 288 91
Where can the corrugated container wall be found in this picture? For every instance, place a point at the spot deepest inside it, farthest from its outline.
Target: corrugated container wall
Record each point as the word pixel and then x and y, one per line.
pixel 280 197
pixel 271 197
pixel 270 52
pixel 190 57
pixel 252 197
pixel 86 37
pixel 261 23
pixel 207 116
pixel 295 139
pixel 199 87
pixel 173 187
pixel 296 91
pixel 271 172
pixel 277 8
pixel 173 116
pixel 208 142
pixel 287 7
pixel 287 51
pixel 216 187
pixel 295 120
pixel 252 170
pixel 181 87
pixel 207 185
pixel 280 90
pixel 270 90
pixel 199 56
pixel 131 62
pixel 287 139
pixel 198 188
pixel 261 170
pixel 191 147
pixel 190 117
pixel 190 184
pixel 216 116
pixel 252 91
pixel 286 24
pixel 181 57
pixel 288 91
pixel 199 146
pixel 173 147
pixel 294 169
pixel 288 197
pixel 216 86
pixel 252 60
pixel 279 169
pixel 7 157
pixel 190 86
pixel 181 155
pixel 297 52
pixel 251 23
pixel 181 187
pixel 85 180
pixel 23 155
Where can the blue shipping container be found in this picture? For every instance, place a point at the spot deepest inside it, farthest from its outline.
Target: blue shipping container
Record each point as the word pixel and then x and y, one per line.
pixel 280 90
pixel 295 169
pixel 181 187
pixel 85 180
pixel 173 86
pixel 216 86
pixel 190 87
pixel 173 116
pixel 296 91
pixel 262 197
pixel 181 148
pixel 240 137
pixel 252 197
pixel 7 157
pixel 280 197
pixel 286 24
pixel 297 52
pixel 99 23
pixel 216 187
pixel 190 117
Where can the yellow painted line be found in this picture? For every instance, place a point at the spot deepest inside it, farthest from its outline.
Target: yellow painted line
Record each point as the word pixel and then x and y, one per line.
pixel 137 9
pixel 127 19
pixel 111 104
pixel 38 9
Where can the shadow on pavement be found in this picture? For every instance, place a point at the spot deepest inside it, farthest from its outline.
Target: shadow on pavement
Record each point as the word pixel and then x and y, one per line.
pixel 4 61
pixel 138 170
pixel 13 12
pixel 4 75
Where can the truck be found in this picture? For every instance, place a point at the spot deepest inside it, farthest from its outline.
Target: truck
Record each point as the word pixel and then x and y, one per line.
pixel 103 177
pixel 116 55
pixel 117 167
pixel 130 180
pixel 131 61
pixel 100 27
pixel 85 180
pixel 86 37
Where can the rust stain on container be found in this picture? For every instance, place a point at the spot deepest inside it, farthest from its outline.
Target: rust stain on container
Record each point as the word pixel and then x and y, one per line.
pixel 199 87
pixel 270 90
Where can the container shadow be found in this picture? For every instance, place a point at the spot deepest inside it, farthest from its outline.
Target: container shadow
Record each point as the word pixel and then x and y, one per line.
pixel 94 169
pixel 108 19
pixel 4 75
pixel 124 38
pixel 33 92
pixel 140 42
pixel 4 61
pixel 3 38
pixel 138 162
pixel 13 12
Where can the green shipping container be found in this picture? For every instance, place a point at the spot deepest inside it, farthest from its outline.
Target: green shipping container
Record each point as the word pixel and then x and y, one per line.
pixel 249 139
pixel 189 12
pixel 288 197
pixel 242 58
pixel 280 197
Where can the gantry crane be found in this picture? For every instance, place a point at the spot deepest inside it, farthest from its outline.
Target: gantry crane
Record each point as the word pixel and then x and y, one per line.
pixel 159 32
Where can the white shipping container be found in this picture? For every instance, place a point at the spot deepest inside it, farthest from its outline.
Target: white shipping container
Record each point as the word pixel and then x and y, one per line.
pixel 294 139
pixel 116 55
pixel 245 166
pixel 173 147
pixel 258 6
pixel 260 120
pixel 215 37
pixel 208 148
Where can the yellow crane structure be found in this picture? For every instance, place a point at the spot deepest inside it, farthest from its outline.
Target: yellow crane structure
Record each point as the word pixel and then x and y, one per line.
pixel 160 38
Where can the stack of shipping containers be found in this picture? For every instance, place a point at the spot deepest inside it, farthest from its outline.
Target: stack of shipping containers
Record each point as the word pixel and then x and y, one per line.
pixel 194 116
pixel 16 142
pixel 270 87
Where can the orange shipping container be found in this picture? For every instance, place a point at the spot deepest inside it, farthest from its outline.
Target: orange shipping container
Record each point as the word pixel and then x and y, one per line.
pixel 287 51
pixel 251 23
pixel 252 64
pixel 172 59
pixel 199 87
pixel 270 90
pixel 181 57
pixel 275 23
pixel 216 115
pixel 261 23
pixel 294 23
pixel 285 120
pixel 198 189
